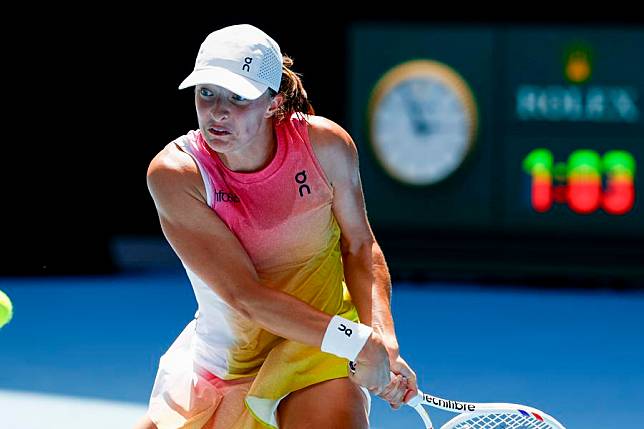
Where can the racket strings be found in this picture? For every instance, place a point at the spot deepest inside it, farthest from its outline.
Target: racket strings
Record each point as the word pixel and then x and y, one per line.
pixel 501 421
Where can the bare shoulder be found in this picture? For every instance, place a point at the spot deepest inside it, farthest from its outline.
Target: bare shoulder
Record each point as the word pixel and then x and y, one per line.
pixel 328 135
pixel 172 170
pixel 332 145
pixel 171 160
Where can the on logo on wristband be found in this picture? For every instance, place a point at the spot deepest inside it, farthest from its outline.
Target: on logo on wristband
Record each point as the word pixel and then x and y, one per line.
pixel 347 331
pixel 345 338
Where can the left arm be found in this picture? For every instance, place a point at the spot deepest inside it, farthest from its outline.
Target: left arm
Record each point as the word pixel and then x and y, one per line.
pixel 365 268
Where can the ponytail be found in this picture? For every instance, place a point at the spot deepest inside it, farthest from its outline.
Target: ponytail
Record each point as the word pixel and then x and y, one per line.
pixel 295 97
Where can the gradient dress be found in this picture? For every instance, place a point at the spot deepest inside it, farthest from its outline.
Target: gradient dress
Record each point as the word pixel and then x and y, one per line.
pixel 283 217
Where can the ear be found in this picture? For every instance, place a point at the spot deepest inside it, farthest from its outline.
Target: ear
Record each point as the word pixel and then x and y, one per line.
pixel 276 102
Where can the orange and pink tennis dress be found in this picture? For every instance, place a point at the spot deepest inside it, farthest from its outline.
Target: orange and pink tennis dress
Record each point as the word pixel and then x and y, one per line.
pixel 225 371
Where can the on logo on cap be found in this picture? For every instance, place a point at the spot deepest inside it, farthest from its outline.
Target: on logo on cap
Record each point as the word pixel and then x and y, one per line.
pixel 246 66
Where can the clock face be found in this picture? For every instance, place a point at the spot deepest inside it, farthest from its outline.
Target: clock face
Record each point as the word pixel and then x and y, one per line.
pixel 423 122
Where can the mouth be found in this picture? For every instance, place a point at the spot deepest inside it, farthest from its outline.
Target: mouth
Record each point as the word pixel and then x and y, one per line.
pixel 219 131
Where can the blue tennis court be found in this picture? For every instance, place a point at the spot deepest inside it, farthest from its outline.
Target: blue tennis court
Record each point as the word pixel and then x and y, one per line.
pixel 84 350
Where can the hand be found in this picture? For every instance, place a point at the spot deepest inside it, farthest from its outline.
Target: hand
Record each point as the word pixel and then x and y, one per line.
pixel 395 391
pixel 400 368
pixel 372 366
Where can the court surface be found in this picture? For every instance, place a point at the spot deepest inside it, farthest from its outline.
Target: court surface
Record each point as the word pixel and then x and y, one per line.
pixel 82 351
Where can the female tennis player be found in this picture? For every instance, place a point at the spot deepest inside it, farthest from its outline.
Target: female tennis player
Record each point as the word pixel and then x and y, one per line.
pixel 263 205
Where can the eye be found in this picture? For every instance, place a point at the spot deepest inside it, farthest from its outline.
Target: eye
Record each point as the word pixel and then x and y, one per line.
pixel 238 98
pixel 205 92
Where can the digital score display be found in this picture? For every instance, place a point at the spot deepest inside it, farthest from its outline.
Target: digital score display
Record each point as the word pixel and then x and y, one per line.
pixel 587 182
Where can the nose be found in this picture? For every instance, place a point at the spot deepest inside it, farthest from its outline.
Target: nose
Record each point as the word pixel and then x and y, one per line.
pixel 219 111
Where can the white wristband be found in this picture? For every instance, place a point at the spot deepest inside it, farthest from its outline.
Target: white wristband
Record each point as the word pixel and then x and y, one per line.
pixel 345 338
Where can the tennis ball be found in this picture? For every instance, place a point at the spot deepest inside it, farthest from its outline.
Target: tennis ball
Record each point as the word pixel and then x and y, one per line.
pixel 6 309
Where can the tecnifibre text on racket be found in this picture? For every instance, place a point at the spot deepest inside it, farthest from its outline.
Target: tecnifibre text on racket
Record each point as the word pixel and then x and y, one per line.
pixel 484 415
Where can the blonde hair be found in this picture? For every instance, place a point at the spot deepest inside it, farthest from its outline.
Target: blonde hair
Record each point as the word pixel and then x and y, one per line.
pixel 295 97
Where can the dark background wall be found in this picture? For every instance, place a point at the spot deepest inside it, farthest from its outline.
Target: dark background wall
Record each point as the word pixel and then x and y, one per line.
pixel 91 96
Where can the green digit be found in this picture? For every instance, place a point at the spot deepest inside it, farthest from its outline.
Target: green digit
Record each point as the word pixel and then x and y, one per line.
pixel 584 162
pixel 538 161
pixel 619 162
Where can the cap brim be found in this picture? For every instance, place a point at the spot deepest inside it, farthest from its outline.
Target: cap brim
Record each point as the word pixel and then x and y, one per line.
pixel 240 85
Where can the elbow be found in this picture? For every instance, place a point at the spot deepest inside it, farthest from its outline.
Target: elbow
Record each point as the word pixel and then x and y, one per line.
pixel 363 247
pixel 245 300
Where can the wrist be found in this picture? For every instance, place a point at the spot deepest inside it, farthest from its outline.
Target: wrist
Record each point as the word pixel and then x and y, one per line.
pixel 345 338
pixel 383 328
pixel 391 345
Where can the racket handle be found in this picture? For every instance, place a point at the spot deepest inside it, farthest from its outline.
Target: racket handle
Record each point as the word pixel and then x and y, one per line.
pixel 415 400
pixel 415 403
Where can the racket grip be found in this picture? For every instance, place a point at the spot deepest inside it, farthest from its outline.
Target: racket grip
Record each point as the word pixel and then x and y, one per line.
pixel 415 400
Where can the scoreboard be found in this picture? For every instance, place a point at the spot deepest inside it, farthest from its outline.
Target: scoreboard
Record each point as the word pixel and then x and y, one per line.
pixel 574 98
pixel 527 131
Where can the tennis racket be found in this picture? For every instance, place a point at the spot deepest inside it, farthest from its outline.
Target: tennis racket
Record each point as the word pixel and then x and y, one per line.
pixel 484 416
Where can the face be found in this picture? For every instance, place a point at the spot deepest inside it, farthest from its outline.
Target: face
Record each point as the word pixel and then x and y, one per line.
pixel 229 122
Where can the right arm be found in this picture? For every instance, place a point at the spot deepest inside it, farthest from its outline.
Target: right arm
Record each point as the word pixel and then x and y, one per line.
pixel 206 245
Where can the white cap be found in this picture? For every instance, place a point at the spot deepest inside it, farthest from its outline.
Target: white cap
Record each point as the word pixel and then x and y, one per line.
pixel 240 58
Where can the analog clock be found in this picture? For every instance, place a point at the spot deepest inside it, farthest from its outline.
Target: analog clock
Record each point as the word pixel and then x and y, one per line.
pixel 422 122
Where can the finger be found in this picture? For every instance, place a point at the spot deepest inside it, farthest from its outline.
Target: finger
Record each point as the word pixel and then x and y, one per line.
pixel 399 394
pixel 395 395
pixel 409 394
pixel 391 387
pixel 405 370
pixel 396 400
pixel 413 381
pixel 394 390
pixel 382 388
pixel 412 385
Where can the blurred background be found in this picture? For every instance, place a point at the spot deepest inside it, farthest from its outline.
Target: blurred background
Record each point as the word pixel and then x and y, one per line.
pixel 501 161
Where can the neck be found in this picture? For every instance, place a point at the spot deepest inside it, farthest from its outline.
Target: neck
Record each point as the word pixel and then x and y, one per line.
pixel 255 155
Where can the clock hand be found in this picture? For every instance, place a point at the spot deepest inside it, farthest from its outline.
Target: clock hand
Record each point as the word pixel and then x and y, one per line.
pixel 415 111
